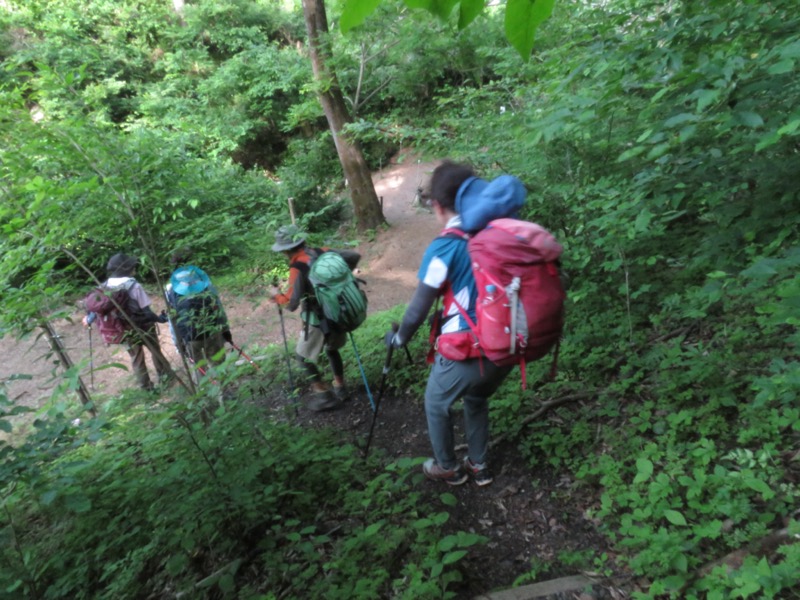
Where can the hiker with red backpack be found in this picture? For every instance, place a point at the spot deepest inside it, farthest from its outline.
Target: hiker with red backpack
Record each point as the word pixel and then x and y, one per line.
pixel 122 310
pixel 477 304
pixel 320 331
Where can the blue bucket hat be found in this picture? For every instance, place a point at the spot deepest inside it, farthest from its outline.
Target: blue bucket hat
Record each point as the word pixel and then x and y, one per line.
pixel 479 201
pixel 189 280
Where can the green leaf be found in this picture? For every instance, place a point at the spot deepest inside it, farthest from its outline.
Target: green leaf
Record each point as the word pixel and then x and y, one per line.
pixel 470 9
pixel 47 498
pixel 355 12
pixel 522 19
pixel 447 543
pixel 759 486
pixel 705 98
pixel 440 8
pixel 644 467
pixel 448 499
pixel 78 503
pixel 452 557
pixel 674 517
pixel 749 118
pixel 791 127
pixel 630 153
pixel 373 529
pixel 784 66
pixel 5 426
pixel 658 150
pixel 680 119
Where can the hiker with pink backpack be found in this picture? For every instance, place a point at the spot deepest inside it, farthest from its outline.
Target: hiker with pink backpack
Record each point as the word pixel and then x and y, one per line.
pixel 122 311
pixel 502 305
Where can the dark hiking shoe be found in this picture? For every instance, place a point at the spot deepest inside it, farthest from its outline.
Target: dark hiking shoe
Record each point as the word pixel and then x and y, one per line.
pixel 321 401
pixel 341 393
pixel 479 472
pixel 455 476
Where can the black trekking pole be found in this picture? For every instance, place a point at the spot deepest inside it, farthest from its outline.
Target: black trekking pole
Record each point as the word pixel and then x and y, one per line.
pixel 386 366
pixel 91 359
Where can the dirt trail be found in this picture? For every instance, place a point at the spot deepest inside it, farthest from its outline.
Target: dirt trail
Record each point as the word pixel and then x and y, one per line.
pixel 388 266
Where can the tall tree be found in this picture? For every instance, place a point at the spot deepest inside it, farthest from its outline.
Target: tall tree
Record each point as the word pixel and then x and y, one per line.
pixel 366 206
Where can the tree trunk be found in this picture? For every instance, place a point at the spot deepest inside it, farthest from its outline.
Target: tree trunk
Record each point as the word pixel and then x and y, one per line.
pixel 66 362
pixel 366 206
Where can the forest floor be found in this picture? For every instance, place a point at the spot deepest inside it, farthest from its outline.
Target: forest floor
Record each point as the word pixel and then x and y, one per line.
pixel 530 516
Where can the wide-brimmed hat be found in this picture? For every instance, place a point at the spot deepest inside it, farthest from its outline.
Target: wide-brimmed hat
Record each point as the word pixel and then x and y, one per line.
pixel 121 265
pixel 189 280
pixel 288 237
pixel 479 201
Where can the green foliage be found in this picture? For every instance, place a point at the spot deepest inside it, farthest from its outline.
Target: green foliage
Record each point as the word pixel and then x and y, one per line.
pixel 522 17
pixel 103 514
pixel 659 143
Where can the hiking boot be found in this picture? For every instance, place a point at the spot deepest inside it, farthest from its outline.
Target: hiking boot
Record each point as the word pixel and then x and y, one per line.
pixel 341 393
pixel 321 401
pixel 479 472
pixel 454 476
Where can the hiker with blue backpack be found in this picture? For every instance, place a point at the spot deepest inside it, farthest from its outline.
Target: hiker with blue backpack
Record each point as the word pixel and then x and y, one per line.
pixel 200 325
pixel 490 321
pixel 325 323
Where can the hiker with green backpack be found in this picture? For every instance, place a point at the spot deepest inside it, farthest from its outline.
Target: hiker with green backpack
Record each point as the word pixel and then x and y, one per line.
pixel 321 282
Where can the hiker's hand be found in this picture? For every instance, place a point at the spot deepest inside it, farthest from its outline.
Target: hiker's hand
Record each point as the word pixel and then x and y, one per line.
pixel 86 321
pixel 226 335
pixel 163 318
pixel 392 340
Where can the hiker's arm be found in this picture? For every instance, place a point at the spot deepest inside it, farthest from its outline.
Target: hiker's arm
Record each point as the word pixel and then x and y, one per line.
pixel 351 257
pixel 416 313
pixel 294 292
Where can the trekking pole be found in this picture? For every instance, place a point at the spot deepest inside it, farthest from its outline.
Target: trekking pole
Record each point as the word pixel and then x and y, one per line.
pixel 91 359
pixel 286 347
pixel 386 366
pixel 243 355
pixel 363 375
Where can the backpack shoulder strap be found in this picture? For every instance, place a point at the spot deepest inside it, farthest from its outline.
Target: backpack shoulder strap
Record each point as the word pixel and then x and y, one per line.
pixel 454 233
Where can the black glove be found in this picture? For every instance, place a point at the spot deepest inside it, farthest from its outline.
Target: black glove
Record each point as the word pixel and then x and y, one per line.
pixel 163 318
pixel 226 335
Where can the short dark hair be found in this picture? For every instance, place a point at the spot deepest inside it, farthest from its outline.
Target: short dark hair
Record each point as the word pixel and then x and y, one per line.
pixel 446 180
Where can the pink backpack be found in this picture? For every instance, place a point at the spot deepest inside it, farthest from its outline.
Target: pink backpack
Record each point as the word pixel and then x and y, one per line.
pixel 520 306
pixel 112 325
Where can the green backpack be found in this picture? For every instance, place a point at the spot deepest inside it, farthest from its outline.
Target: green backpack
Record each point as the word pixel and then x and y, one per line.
pixel 343 304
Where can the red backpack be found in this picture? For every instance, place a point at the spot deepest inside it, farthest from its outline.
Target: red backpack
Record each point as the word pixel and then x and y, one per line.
pixel 112 325
pixel 520 306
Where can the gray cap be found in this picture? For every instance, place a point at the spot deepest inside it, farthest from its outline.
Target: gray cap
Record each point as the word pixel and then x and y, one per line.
pixel 288 237
pixel 121 265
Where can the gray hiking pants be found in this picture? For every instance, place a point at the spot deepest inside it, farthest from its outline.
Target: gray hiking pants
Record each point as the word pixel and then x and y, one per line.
pixel 449 381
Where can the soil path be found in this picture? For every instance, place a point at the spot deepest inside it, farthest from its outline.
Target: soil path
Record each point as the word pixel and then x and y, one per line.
pixel 388 265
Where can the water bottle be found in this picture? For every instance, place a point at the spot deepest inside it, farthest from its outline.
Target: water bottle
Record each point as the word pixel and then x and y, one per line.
pixel 490 290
